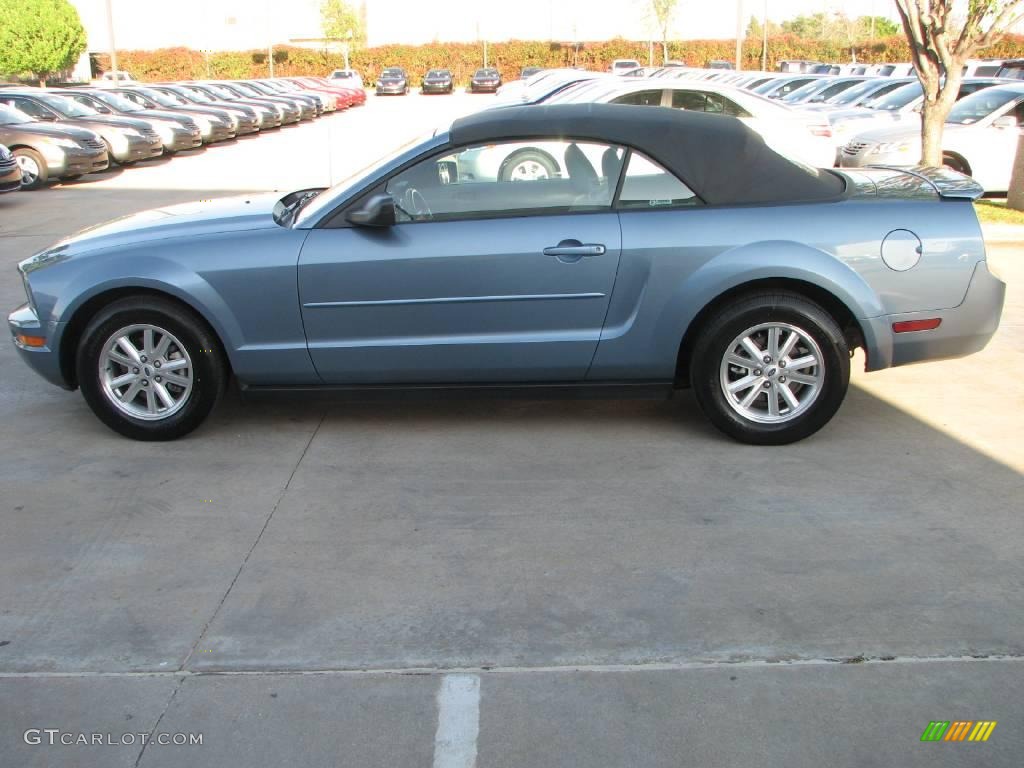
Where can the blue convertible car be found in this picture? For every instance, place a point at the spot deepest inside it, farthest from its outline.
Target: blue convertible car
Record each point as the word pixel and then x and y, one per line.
pixel 657 250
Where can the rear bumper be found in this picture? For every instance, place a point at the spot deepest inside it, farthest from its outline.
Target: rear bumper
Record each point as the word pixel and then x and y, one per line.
pixel 964 330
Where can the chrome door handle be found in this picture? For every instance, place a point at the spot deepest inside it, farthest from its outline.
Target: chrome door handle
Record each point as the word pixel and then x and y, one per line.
pixel 575 248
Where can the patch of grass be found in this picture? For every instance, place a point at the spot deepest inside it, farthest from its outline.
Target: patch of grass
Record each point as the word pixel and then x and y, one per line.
pixel 996 211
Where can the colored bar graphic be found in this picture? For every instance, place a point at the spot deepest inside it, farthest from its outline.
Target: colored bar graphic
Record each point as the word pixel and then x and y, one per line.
pixel 958 730
pixel 982 730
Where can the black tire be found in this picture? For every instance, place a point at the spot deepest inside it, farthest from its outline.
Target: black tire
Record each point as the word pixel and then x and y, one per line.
pixel 956 164
pixel 525 156
pixel 748 312
pixel 72 177
pixel 209 367
pixel 44 172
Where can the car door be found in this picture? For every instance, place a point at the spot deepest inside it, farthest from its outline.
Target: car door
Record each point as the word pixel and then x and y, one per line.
pixel 479 280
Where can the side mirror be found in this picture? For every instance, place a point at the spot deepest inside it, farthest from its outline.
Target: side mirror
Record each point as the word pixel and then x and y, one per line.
pixel 1006 121
pixel 448 171
pixel 378 211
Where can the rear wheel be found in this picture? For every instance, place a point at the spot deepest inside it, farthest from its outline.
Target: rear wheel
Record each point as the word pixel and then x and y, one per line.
pixel 956 164
pixel 33 168
pixel 150 369
pixel 528 165
pixel 771 369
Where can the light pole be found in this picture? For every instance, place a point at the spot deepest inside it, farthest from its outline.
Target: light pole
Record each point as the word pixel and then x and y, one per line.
pixel 739 35
pixel 764 38
pixel 110 34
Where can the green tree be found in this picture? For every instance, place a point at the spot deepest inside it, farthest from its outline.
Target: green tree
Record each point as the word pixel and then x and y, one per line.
pixel 338 18
pixel 662 12
pixel 882 27
pixel 39 37
pixel 940 45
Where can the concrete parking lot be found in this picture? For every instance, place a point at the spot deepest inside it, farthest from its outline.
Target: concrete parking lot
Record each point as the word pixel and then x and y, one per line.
pixel 519 583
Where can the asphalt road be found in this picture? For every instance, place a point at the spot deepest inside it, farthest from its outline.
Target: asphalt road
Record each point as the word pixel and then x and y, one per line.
pixel 525 584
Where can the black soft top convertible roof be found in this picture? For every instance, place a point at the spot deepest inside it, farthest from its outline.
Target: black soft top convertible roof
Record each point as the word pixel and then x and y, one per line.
pixel 718 157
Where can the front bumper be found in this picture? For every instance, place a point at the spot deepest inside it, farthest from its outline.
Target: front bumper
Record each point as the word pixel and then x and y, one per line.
pixel 391 88
pixel 484 87
pixel 184 141
pixel 139 149
pixel 43 360
pixel 436 88
pixel 78 162
pixel 964 330
pixel 10 179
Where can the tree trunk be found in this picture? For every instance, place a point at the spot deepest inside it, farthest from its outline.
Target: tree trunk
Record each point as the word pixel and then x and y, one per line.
pixel 1015 197
pixel 664 51
pixel 932 123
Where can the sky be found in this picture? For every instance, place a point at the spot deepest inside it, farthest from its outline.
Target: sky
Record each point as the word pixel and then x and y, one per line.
pixel 243 24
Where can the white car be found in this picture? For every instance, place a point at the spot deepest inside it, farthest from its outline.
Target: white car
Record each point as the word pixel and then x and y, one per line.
pixel 541 86
pixel 800 135
pixel 899 107
pixel 980 138
pixel 622 66
pixel 347 77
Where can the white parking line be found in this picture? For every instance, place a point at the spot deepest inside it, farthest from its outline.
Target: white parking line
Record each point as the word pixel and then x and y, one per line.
pixel 458 721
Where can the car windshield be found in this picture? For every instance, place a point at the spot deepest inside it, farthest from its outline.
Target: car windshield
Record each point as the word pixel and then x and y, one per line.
pixel 65 106
pixel 245 90
pixel 117 101
pixel 200 96
pixel 804 91
pixel 981 104
pixel 854 93
pixel 898 99
pixel 437 73
pixel 392 72
pixel 13 116
pixel 487 73
pixel 168 98
pixel 314 206
pixel 162 98
pixel 224 93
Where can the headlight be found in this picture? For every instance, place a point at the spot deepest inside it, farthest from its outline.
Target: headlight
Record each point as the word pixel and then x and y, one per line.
pixel 4 154
pixel 66 143
pixel 164 131
pixel 204 124
pixel 130 133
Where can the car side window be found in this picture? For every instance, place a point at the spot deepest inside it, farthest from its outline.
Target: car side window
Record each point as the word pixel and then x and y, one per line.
pixel 29 107
pixel 545 176
pixel 702 101
pixel 641 98
pixel 648 185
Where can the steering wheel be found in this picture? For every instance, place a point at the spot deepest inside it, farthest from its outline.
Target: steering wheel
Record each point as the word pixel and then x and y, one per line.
pixel 417 204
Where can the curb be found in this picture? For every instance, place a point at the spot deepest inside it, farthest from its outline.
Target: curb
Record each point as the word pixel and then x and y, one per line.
pixel 1003 233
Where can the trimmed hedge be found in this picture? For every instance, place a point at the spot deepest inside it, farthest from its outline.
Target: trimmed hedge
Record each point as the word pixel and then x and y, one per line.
pixel 509 57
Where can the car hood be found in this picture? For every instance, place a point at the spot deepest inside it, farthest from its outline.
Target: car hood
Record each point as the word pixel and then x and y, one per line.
pixel 202 217
pixel 59 131
pixel 117 122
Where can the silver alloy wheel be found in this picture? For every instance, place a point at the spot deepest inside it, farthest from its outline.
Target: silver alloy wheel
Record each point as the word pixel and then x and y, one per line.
pixel 29 169
pixel 146 372
pixel 771 373
pixel 527 170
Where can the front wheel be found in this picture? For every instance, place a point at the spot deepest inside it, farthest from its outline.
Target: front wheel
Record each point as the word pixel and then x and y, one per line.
pixel 771 369
pixel 150 368
pixel 33 168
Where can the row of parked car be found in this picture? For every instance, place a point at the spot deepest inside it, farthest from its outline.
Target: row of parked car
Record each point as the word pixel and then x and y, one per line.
pixel 821 119
pixel 64 133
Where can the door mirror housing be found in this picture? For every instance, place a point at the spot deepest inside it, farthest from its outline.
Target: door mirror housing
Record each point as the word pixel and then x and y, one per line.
pixel 377 211
pixel 1006 121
